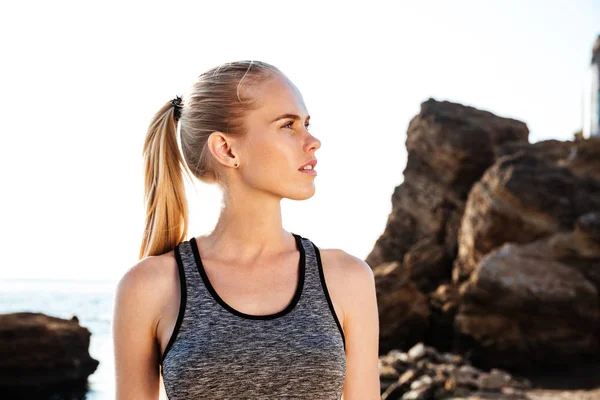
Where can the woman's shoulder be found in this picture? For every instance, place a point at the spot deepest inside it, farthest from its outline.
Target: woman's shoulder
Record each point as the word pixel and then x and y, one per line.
pixel 150 272
pixel 343 262
pixel 147 285
pixel 346 275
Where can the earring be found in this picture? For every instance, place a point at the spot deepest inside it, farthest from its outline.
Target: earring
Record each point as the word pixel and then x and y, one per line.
pixel 235 165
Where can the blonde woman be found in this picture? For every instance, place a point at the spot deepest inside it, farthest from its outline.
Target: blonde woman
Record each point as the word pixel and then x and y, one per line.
pixel 249 311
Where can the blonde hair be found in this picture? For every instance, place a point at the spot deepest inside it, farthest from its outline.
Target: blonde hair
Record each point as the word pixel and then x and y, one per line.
pixel 216 102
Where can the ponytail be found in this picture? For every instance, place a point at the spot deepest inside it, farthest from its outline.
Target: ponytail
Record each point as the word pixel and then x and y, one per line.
pixel 216 102
pixel 166 204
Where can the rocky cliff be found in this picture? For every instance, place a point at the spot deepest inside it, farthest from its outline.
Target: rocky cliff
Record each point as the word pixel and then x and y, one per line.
pixel 492 248
pixel 40 353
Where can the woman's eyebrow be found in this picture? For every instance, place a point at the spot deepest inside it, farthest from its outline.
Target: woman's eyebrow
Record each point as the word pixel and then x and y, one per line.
pixel 292 116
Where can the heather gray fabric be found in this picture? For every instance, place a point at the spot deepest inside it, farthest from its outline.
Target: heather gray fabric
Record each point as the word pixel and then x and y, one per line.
pixel 217 352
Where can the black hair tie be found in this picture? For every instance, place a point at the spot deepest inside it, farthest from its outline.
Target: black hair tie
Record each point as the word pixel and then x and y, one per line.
pixel 177 106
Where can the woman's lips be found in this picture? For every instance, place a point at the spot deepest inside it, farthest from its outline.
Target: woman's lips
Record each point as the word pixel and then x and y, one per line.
pixel 309 171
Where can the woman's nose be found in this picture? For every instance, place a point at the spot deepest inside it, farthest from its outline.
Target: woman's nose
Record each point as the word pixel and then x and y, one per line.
pixel 313 143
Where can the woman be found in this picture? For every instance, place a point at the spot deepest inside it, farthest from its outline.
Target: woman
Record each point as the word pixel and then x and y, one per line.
pixel 249 311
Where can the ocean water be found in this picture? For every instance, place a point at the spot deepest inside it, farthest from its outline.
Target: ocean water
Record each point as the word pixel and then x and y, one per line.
pixel 91 302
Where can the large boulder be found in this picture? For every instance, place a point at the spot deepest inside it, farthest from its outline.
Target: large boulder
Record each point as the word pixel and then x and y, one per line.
pixel 537 303
pixel 521 198
pixel 38 351
pixel 449 147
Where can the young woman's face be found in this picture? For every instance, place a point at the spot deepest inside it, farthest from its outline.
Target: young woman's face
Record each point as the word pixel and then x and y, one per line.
pixel 277 144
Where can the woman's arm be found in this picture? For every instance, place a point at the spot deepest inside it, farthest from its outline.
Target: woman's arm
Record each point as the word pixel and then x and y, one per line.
pixel 135 315
pixel 361 330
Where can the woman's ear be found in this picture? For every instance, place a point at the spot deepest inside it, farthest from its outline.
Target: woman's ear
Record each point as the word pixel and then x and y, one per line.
pixel 222 146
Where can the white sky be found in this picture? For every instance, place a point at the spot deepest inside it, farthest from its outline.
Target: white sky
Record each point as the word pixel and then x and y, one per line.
pixel 80 82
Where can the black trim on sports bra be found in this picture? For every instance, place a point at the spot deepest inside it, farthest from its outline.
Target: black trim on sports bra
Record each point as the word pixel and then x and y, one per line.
pixel 182 304
pixel 215 295
pixel 329 302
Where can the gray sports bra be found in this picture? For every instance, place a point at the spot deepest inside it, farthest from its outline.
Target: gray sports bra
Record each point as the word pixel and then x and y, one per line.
pixel 218 352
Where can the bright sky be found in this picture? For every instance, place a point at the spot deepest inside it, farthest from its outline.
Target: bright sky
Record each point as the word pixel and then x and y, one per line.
pixel 80 82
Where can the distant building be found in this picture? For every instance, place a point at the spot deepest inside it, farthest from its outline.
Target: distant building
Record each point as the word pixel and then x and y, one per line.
pixel 591 99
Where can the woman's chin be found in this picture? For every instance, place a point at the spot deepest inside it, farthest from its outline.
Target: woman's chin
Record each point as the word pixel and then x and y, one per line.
pixel 302 195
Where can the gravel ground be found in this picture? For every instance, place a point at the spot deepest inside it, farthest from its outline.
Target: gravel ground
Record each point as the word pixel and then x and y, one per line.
pixel 556 394
pixel 579 382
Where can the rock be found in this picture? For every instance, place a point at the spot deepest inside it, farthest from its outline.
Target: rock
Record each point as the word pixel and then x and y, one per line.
pixel 393 392
pixel 403 310
pixel 523 303
pixel 397 389
pixel 505 376
pixel 466 376
pixel 443 304
pixel 469 370
pixel 530 258
pixel 38 350
pixel 407 377
pixel 449 147
pixel 455 359
pixel 447 369
pixel 430 375
pixel 587 232
pixel 387 376
pixel 427 264
pixel 401 363
pixel 492 248
pixel 520 198
pixel 490 382
pixel 422 393
pixel 388 373
pixel 417 352
pixel 424 381
pixel 578 156
pixel 511 391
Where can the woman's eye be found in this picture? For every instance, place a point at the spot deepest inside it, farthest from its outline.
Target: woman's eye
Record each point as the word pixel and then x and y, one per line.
pixel 289 124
